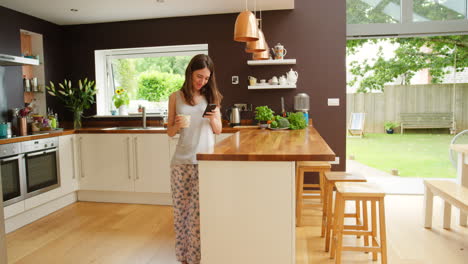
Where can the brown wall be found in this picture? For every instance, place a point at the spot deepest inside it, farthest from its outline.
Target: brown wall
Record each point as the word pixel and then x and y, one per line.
pixel 314 33
pixel 11 87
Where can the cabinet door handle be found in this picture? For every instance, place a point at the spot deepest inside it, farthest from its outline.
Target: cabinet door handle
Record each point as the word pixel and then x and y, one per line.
pixel 73 157
pixel 80 146
pixel 135 148
pixel 128 159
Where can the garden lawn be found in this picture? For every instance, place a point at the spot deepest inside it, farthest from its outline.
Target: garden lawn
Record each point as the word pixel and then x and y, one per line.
pixel 414 155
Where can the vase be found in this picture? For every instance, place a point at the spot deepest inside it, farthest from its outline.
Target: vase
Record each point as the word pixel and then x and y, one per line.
pixel 22 126
pixel 123 110
pixel 77 119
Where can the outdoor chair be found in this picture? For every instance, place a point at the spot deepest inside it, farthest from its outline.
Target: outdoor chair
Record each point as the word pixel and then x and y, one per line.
pixel 356 125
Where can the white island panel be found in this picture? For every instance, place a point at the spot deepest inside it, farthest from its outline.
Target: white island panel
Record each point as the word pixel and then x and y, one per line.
pixel 247 212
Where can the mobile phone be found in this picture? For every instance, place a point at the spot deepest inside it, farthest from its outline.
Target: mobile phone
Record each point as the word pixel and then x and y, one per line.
pixel 209 108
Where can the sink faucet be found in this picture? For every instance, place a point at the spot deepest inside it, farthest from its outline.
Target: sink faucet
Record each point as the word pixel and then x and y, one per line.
pixel 143 114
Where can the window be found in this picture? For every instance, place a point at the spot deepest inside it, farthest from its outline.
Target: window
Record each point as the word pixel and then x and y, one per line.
pixel 377 18
pixel 147 75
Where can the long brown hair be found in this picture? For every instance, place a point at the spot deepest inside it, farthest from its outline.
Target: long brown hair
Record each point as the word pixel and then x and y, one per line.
pixel 210 90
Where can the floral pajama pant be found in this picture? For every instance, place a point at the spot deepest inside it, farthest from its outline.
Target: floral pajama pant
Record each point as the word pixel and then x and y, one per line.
pixel 184 185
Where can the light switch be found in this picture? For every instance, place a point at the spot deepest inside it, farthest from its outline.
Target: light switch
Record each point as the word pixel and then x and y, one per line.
pixel 333 101
pixel 337 161
pixel 235 79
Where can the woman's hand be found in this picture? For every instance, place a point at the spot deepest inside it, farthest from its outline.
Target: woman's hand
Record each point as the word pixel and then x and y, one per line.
pixel 179 121
pixel 215 120
pixel 214 114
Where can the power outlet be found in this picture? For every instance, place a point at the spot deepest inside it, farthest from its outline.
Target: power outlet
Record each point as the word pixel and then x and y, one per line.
pixel 242 107
pixel 337 161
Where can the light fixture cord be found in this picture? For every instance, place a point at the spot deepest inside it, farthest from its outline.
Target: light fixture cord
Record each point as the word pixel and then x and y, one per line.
pixel 261 20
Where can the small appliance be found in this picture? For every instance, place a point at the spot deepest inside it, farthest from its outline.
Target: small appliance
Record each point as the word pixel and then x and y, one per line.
pixel 234 116
pixel 301 104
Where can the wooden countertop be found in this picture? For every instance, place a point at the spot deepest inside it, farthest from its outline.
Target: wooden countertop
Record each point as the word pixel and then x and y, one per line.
pixel 272 145
pixel 94 130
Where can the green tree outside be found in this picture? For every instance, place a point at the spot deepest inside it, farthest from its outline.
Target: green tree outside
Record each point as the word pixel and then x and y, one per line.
pixel 156 86
pixel 150 78
pixel 442 54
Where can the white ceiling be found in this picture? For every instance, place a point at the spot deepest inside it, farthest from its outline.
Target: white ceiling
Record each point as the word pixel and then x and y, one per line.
pixel 99 11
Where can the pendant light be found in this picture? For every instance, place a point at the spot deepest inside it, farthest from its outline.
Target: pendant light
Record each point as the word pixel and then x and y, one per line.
pixel 264 55
pixel 259 45
pixel 245 29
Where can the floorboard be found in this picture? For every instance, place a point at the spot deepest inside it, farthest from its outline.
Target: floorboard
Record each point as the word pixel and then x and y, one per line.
pixel 108 233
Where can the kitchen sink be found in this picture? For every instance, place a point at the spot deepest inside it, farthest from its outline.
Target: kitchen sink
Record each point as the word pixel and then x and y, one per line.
pixel 134 128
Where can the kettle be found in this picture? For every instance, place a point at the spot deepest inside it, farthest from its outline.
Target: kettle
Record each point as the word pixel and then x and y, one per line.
pixel 234 116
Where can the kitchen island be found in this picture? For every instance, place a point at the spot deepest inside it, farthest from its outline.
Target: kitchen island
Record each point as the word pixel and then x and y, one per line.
pixel 247 194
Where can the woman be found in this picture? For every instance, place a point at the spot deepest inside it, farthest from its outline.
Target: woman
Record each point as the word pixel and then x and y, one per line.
pixel 196 135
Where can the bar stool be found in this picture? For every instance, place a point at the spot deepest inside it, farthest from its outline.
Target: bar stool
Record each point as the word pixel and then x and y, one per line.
pixel 309 166
pixel 332 177
pixel 359 191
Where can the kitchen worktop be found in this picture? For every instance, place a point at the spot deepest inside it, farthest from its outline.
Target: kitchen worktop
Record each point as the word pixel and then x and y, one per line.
pixel 94 130
pixel 272 145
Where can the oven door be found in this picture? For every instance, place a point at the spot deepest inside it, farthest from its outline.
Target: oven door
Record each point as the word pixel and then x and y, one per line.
pixel 42 171
pixel 12 181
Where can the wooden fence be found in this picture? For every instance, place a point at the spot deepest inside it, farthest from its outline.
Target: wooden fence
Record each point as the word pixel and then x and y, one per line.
pixel 427 98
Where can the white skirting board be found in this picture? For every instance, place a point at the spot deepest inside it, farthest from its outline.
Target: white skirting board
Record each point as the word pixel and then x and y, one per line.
pixel 29 216
pixel 125 197
pixel 247 212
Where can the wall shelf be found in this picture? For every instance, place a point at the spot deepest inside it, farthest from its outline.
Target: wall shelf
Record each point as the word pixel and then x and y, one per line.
pixel 271 62
pixel 264 87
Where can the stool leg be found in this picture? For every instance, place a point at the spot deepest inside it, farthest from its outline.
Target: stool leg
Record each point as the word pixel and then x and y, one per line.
pixel 374 228
pixel 358 215
pixel 321 185
pixel 339 227
pixel 324 207
pixel 365 224
pixel 300 190
pixel 329 215
pixel 383 233
pixel 334 226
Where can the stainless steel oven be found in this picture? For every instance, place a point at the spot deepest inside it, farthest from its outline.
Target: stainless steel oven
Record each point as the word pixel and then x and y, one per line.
pixel 12 171
pixel 41 165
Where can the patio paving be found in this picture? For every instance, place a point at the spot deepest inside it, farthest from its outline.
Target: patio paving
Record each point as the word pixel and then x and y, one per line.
pixel 389 183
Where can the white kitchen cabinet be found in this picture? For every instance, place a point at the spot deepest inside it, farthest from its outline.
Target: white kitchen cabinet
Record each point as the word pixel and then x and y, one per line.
pixel 125 162
pixel 105 162
pixel 151 163
pixel 67 161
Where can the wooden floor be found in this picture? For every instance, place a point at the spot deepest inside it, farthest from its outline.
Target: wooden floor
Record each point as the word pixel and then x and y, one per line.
pixel 126 233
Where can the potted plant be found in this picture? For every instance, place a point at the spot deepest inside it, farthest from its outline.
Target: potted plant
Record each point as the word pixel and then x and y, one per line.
pixel 263 114
pixel 389 126
pixel 76 99
pixel 121 100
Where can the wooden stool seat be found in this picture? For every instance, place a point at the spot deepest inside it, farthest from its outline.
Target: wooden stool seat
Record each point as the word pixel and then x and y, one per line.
pixel 366 192
pixel 331 177
pixel 309 166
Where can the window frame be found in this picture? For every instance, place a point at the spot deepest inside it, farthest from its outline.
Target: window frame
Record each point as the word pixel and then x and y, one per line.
pixel 407 27
pixel 104 73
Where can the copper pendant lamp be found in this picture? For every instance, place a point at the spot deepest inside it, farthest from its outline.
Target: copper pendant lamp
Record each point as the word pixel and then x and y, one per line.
pixel 246 29
pixel 256 46
pixel 264 55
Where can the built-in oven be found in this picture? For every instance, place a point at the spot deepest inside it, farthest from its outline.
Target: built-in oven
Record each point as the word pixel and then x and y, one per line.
pixel 12 173
pixel 41 160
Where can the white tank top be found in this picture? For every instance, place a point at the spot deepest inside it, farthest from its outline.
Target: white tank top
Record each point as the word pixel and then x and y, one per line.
pixel 198 137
